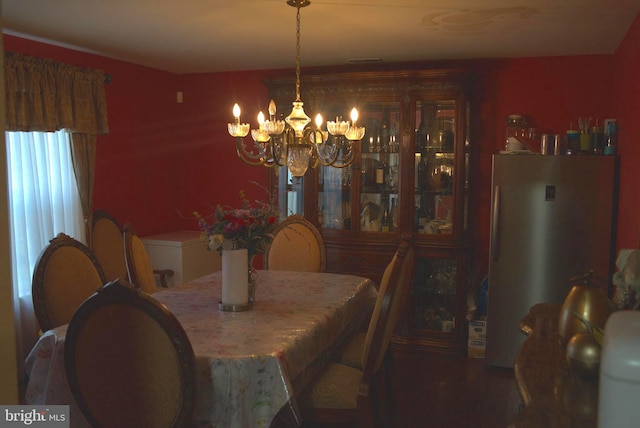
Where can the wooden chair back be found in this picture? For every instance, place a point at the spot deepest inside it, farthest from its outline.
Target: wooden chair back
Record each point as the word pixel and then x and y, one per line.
pixel 381 327
pixel 65 274
pixel 129 362
pixel 297 245
pixel 392 296
pixel 138 264
pixel 348 396
pixel 107 244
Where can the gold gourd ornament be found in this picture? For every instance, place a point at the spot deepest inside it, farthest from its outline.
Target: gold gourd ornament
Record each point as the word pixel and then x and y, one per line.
pixel 589 302
pixel 584 350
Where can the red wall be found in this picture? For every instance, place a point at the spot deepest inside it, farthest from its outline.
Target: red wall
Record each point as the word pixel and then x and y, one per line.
pixel 625 97
pixel 210 171
pixel 162 160
pixel 553 92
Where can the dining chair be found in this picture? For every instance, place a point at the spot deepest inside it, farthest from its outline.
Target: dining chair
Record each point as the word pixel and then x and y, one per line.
pixel 129 362
pixel 297 245
pixel 352 352
pixel 346 395
pixel 107 244
pixel 141 273
pixel 65 274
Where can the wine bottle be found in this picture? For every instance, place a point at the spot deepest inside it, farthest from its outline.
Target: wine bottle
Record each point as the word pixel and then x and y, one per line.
pixel 434 133
pixel 394 214
pixel 384 131
pixel 385 220
pixel 380 173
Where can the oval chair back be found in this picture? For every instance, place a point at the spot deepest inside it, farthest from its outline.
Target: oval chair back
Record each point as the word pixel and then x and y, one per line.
pixel 297 245
pixel 107 244
pixel 65 274
pixel 129 362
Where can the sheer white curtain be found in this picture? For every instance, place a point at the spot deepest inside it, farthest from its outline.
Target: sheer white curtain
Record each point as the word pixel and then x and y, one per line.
pixel 44 201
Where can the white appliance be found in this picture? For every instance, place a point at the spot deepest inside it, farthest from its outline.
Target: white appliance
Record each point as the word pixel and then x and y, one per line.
pixel 619 386
pixel 552 218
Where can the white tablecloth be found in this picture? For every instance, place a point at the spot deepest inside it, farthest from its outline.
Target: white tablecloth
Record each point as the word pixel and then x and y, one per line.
pixel 247 361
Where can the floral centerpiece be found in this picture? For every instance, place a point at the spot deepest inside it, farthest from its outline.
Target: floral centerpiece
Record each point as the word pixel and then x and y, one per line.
pixel 250 226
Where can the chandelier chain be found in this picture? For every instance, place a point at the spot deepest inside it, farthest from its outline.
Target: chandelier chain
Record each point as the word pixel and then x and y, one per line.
pixel 297 53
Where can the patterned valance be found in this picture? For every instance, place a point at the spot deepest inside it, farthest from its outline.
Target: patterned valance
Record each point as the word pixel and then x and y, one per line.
pixel 47 95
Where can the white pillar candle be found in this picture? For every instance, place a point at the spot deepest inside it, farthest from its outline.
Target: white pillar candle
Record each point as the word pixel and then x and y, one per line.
pixel 235 288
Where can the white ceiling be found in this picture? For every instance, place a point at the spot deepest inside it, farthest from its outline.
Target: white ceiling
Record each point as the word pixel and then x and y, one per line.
pixel 191 36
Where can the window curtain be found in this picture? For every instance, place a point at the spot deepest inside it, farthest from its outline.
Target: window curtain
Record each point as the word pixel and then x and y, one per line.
pixel 44 201
pixel 47 95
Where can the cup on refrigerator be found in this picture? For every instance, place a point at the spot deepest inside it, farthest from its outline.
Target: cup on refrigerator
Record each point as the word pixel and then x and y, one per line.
pixel 545 144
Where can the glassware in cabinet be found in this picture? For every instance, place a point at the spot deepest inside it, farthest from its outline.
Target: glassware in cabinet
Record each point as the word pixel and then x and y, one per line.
pixel 380 170
pixel 435 319
pixel 434 294
pixel 334 197
pixel 434 163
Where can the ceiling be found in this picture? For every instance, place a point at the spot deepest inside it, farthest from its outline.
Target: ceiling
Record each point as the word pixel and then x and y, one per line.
pixel 193 36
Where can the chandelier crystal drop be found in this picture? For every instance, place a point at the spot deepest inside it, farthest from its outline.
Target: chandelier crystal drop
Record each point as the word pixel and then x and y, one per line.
pixel 295 142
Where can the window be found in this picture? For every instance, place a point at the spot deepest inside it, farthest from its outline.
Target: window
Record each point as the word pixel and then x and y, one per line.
pixel 43 201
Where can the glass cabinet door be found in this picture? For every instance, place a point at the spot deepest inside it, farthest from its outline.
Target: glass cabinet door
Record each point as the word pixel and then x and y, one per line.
pixel 380 170
pixel 334 197
pixel 434 167
pixel 370 186
pixel 435 294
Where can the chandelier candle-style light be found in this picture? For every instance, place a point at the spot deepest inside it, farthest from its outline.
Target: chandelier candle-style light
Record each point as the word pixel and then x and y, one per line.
pixel 294 142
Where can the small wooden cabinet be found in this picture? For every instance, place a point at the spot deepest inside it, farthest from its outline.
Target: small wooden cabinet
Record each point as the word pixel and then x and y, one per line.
pixel 184 252
pixel 411 174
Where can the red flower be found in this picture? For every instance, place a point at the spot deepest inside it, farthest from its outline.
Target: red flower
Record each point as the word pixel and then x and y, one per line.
pixel 247 227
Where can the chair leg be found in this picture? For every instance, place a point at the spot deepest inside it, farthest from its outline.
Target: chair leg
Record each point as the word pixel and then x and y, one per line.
pixel 163 274
pixel 287 417
pixel 386 385
pixel 365 412
pixel 374 409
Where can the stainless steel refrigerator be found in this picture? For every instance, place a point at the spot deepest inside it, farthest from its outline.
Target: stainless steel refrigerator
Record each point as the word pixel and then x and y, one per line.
pixel 552 218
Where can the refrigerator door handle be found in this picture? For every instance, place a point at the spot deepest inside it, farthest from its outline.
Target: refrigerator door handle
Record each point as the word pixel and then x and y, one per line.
pixel 495 223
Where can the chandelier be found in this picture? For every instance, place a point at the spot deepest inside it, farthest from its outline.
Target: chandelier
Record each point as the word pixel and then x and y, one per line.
pixel 294 142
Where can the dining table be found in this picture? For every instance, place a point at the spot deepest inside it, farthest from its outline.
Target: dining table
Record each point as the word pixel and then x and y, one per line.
pixel 250 364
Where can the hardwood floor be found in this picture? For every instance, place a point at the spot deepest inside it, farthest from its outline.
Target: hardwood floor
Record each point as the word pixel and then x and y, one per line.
pixel 430 390
pixel 440 391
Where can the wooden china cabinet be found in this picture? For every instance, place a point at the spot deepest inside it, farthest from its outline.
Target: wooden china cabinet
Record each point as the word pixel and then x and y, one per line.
pixel 411 174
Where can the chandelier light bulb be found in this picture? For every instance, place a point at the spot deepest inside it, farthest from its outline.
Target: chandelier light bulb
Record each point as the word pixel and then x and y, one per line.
pixel 354 116
pixel 237 129
pixel 272 110
pixel 354 133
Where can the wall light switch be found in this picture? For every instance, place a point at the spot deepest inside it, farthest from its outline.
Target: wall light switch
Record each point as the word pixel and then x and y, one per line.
pixel 179 97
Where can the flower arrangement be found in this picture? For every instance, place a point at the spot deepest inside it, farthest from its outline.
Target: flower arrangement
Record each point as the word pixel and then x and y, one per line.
pixel 249 226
